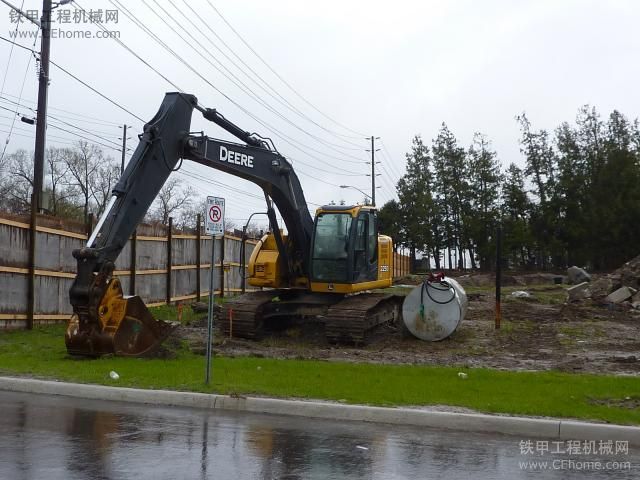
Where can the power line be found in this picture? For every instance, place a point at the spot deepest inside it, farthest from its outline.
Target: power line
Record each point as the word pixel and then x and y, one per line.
pixel 234 189
pixel 272 92
pixel 279 76
pixel 391 163
pixel 29 134
pixel 57 127
pixel 121 43
pixel 165 78
pixel 283 136
pixel 386 178
pixel 24 80
pixel 117 146
pixel 267 106
pixel 77 79
pixel 67 113
pixel 96 91
pixel 6 72
pixel 241 85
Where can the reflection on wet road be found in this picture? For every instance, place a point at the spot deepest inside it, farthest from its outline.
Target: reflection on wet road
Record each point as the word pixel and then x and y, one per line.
pixel 62 438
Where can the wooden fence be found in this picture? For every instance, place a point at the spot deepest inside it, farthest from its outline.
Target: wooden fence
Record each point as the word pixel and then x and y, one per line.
pixel 158 264
pixel 401 265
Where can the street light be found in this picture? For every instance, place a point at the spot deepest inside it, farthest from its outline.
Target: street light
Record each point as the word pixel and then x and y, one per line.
pixel 356 188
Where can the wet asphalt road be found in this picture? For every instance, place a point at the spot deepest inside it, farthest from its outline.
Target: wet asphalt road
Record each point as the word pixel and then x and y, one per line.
pixel 46 437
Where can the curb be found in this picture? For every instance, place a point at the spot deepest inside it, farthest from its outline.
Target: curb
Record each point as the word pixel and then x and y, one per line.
pixel 469 422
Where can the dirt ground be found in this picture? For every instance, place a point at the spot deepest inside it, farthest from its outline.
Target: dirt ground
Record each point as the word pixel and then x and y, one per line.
pixel 542 332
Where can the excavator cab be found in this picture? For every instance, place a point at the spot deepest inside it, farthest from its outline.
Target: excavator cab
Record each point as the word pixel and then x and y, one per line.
pixel 344 246
pixel 347 255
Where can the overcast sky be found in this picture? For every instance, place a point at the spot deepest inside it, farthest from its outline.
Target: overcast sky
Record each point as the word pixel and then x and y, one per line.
pixel 390 69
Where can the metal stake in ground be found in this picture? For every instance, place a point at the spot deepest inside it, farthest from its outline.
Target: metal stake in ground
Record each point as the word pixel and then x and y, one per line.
pixel 498 275
pixel 214 226
pixel 210 311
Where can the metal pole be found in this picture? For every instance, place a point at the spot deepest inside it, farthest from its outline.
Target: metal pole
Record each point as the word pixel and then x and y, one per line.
pixel 243 246
pixel 134 256
pixel 373 171
pixel 169 258
pixel 38 158
pixel 210 310
pixel 43 92
pixel 31 292
pixel 124 146
pixel 198 255
pixel 222 242
pixel 498 275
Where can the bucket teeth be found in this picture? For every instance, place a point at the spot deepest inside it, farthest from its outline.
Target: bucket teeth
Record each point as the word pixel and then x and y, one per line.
pixel 124 327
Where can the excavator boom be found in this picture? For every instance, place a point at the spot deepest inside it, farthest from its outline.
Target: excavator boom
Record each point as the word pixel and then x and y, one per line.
pixel 104 321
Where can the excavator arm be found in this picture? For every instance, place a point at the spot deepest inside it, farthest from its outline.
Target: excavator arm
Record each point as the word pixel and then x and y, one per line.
pixel 104 321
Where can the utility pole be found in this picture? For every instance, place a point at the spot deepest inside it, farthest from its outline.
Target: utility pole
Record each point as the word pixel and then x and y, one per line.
pixel 124 146
pixel 40 145
pixel 43 93
pixel 38 157
pixel 373 169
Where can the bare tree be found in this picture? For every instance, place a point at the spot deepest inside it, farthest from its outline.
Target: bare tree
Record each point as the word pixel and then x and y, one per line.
pixel 189 214
pixel 254 229
pixel 5 181
pixel 56 181
pixel 20 181
pixel 171 199
pixel 108 175
pixel 83 167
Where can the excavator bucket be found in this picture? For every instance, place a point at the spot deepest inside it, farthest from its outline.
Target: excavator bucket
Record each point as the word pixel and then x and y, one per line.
pixel 125 327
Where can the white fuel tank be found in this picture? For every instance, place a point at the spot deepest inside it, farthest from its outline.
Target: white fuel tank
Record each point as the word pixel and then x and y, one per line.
pixel 433 310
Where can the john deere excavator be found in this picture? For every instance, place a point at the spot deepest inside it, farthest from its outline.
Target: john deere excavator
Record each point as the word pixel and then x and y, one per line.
pixel 319 269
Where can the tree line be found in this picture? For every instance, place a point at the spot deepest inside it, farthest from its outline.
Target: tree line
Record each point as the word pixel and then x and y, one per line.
pixel 575 201
pixel 78 182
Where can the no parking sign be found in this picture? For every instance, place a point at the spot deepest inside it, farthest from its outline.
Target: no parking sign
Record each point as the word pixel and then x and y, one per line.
pixel 214 220
pixel 213 225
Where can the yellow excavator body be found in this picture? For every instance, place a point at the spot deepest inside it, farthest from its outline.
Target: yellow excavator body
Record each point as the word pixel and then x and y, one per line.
pixel 320 268
pixel 265 263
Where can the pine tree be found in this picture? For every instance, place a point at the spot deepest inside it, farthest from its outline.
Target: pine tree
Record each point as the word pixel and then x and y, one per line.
pixel 484 180
pixel 416 201
pixel 450 185
pixel 516 208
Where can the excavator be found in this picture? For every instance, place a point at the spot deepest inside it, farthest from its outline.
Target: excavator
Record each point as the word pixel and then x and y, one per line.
pixel 322 268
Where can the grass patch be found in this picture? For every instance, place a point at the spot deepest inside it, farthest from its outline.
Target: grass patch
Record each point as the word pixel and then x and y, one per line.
pixel 41 353
pixel 170 312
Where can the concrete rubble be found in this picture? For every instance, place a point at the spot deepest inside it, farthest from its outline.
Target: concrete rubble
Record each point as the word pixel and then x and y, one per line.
pixel 619 288
pixel 577 275
pixel 619 295
pixel 579 292
pixel 635 301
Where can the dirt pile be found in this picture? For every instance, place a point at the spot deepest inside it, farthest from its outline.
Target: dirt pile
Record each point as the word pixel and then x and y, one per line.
pixel 629 273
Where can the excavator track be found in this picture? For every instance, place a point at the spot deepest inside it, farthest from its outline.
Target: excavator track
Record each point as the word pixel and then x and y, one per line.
pixel 347 319
pixel 354 318
pixel 242 316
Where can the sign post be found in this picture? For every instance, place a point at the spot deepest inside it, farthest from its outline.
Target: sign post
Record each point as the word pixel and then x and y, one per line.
pixel 214 226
